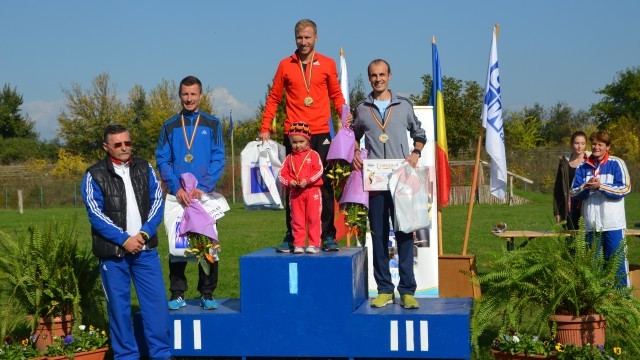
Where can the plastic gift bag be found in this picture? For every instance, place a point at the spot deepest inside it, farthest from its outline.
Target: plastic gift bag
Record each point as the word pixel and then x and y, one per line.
pixel 343 145
pixel 408 186
pixel 260 168
pixel 354 188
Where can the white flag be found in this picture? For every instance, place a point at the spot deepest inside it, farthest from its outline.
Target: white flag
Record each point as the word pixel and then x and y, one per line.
pixel 344 78
pixel 492 122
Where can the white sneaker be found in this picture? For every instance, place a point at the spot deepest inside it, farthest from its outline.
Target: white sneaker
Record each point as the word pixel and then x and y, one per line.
pixel 312 250
pixel 298 250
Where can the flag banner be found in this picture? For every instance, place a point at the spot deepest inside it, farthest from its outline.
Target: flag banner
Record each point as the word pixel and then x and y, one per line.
pixel 443 172
pixel 230 124
pixel 492 122
pixel 344 78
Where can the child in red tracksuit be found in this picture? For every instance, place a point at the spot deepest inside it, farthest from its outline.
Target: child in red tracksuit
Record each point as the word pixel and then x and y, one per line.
pixel 302 174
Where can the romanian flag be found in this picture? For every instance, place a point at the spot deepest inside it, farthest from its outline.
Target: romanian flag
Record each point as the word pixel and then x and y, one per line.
pixel 443 173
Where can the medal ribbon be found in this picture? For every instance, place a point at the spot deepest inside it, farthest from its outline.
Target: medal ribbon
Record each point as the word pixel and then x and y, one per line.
pixel 297 173
pixel 304 76
pixel 383 124
pixel 193 135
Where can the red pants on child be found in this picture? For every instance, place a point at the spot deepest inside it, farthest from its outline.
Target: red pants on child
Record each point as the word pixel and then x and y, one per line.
pixel 306 207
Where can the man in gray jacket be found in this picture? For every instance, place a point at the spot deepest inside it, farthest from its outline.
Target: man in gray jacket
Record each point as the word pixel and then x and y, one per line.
pixel 384 118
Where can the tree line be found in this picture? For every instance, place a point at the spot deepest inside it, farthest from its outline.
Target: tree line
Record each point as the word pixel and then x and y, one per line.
pixel 89 110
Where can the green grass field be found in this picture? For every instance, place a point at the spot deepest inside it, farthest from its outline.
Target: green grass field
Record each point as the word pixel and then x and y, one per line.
pixel 242 231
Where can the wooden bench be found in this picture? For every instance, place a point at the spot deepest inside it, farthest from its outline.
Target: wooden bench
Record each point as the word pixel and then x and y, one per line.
pixel 511 235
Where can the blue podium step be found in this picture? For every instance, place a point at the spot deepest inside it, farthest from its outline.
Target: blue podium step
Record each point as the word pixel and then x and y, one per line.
pixel 316 306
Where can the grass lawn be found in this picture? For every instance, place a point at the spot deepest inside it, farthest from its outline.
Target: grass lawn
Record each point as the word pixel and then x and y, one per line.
pixel 242 231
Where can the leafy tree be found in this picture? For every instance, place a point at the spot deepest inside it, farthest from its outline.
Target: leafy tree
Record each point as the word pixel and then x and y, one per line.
pixel 139 111
pixel 624 139
pixel 69 166
pixel 87 114
pixel 621 98
pixel 12 123
pixel 462 108
pixel 18 150
pixel 523 131
pixel 557 123
pixel 357 92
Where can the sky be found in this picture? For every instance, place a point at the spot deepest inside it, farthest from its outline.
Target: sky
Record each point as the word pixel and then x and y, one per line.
pixel 549 51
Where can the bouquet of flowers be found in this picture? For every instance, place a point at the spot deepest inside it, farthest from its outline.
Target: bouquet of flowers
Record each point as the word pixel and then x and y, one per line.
pixel 204 249
pixel 356 221
pixel 199 226
pixel 338 172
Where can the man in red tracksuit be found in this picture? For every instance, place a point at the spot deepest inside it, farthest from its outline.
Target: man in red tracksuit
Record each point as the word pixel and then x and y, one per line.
pixel 302 174
pixel 310 81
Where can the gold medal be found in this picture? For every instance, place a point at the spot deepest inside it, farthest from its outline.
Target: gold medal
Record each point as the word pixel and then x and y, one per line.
pixel 308 100
pixel 189 158
pixel 383 138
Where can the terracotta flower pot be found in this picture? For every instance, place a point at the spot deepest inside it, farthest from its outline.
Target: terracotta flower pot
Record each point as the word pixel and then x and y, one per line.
pixel 505 355
pixel 47 328
pixel 587 329
pixel 98 354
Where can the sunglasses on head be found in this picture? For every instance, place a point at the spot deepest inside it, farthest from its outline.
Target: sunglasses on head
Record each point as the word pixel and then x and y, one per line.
pixel 120 144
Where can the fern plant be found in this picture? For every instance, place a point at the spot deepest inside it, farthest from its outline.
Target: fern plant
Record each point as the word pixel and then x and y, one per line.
pixel 523 288
pixel 47 273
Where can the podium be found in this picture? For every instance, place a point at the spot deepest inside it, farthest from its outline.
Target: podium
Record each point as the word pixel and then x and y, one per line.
pixel 316 306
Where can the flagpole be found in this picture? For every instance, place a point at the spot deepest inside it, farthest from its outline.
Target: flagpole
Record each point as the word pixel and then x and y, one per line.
pixel 474 181
pixel 440 242
pixel 233 162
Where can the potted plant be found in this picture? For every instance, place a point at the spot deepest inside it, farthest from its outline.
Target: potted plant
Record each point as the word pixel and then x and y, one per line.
pixel 588 352
pixel 24 348
pixel 49 277
pixel 513 345
pixel 527 288
pixel 85 343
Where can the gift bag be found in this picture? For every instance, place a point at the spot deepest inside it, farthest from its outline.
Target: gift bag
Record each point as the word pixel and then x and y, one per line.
pixel 410 198
pixel 260 169
pixel 343 145
pixel 215 204
pixel 354 188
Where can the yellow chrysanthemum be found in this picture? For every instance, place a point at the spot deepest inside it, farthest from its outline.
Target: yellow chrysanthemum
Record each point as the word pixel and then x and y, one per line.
pixel 560 347
pixel 617 350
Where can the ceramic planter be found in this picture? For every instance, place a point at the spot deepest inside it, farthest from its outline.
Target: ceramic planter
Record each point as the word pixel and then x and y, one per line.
pixel 581 330
pixel 47 328
pixel 505 355
pixel 98 354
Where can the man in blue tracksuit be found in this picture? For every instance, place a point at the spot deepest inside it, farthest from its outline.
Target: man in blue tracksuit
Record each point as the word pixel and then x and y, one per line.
pixel 191 141
pixel 124 202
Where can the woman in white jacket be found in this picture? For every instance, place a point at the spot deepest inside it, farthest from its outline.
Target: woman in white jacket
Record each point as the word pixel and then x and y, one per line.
pixel 602 182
